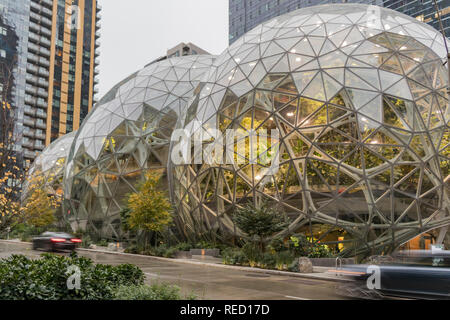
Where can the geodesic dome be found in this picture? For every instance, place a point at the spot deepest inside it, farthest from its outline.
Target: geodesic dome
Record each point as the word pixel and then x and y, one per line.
pixel 49 165
pixel 126 134
pixel 358 96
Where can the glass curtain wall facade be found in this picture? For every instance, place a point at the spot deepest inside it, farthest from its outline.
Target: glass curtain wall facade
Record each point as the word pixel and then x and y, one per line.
pixel 424 10
pixel 361 111
pixel 56 64
pixel 13 56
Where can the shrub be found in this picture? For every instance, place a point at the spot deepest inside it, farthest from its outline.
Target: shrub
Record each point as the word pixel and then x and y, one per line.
pixel 293 267
pixel 23 279
pixel 132 249
pixel 208 245
pixel 159 251
pixel 299 245
pixel 277 244
pixel 170 252
pixel 102 243
pixel 157 291
pixel 319 251
pixel 86 241
pixel 234 256
pixel 284 259
pixel 183 246
pixel 252 253
pixel 267 261
pixel 25 232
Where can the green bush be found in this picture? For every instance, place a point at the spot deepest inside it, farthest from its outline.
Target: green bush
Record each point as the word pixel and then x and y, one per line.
pixel 260 222
pixel 299 245
pixel 282 255
pixel 234 256
pixel 167 251
pixel 159 251
pixel 25 232
pixel 319 251
pixel 208 245
pixel 252 253
pixel 293 267
pixel 267 261
pixel 183 246
pixel 133 249
pixel 170 252
pixel 102 243
pixel 22 278
pixel 156 291
pixel 284 259
pixel 86 241
pixel 277 244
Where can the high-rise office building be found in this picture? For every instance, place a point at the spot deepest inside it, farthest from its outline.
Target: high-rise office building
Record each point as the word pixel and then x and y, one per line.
pixel 54 67
pixel 14 15
pixel 424 10
pixel 244 15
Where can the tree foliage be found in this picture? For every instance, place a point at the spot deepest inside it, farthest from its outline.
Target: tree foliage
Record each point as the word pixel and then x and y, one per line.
pixel 260 222
pixel 149 207
pixel 40 205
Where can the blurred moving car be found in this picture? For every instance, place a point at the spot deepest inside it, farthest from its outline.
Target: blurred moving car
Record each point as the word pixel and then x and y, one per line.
pixel 423 274
pixel 54 241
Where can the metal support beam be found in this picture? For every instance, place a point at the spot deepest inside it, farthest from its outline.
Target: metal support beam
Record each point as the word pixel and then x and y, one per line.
pixel 441 236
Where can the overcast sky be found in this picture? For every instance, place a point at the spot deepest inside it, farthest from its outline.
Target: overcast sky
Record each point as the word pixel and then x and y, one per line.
pixel 135 32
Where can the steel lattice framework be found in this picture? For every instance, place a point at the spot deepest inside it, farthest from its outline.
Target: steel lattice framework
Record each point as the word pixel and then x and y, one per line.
pixel 127 133
pixel 358 95
pixel 50 164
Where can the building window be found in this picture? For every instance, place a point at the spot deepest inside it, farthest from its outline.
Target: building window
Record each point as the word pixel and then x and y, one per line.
pixel 3 31
pixel 2 53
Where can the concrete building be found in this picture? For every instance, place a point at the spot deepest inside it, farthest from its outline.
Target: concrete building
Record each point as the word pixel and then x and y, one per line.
pixel 54 68
pixel 180 50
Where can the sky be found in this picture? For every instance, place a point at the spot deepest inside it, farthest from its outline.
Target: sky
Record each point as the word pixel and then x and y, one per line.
pixel 135 32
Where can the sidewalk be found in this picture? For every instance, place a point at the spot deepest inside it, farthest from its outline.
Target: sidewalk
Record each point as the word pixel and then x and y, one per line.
pixel 320 273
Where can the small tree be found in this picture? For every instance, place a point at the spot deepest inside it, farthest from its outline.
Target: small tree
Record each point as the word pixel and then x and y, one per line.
pixel 259 222
pixel 149 208
pixel 40 205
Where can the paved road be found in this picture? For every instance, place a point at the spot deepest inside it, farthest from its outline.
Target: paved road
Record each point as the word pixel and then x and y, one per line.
pixel 205 281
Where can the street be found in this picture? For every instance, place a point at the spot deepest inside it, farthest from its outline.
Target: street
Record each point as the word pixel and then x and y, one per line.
pixel 207 282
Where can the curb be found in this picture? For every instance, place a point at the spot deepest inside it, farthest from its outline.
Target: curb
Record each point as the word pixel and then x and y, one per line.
pixel 206 264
